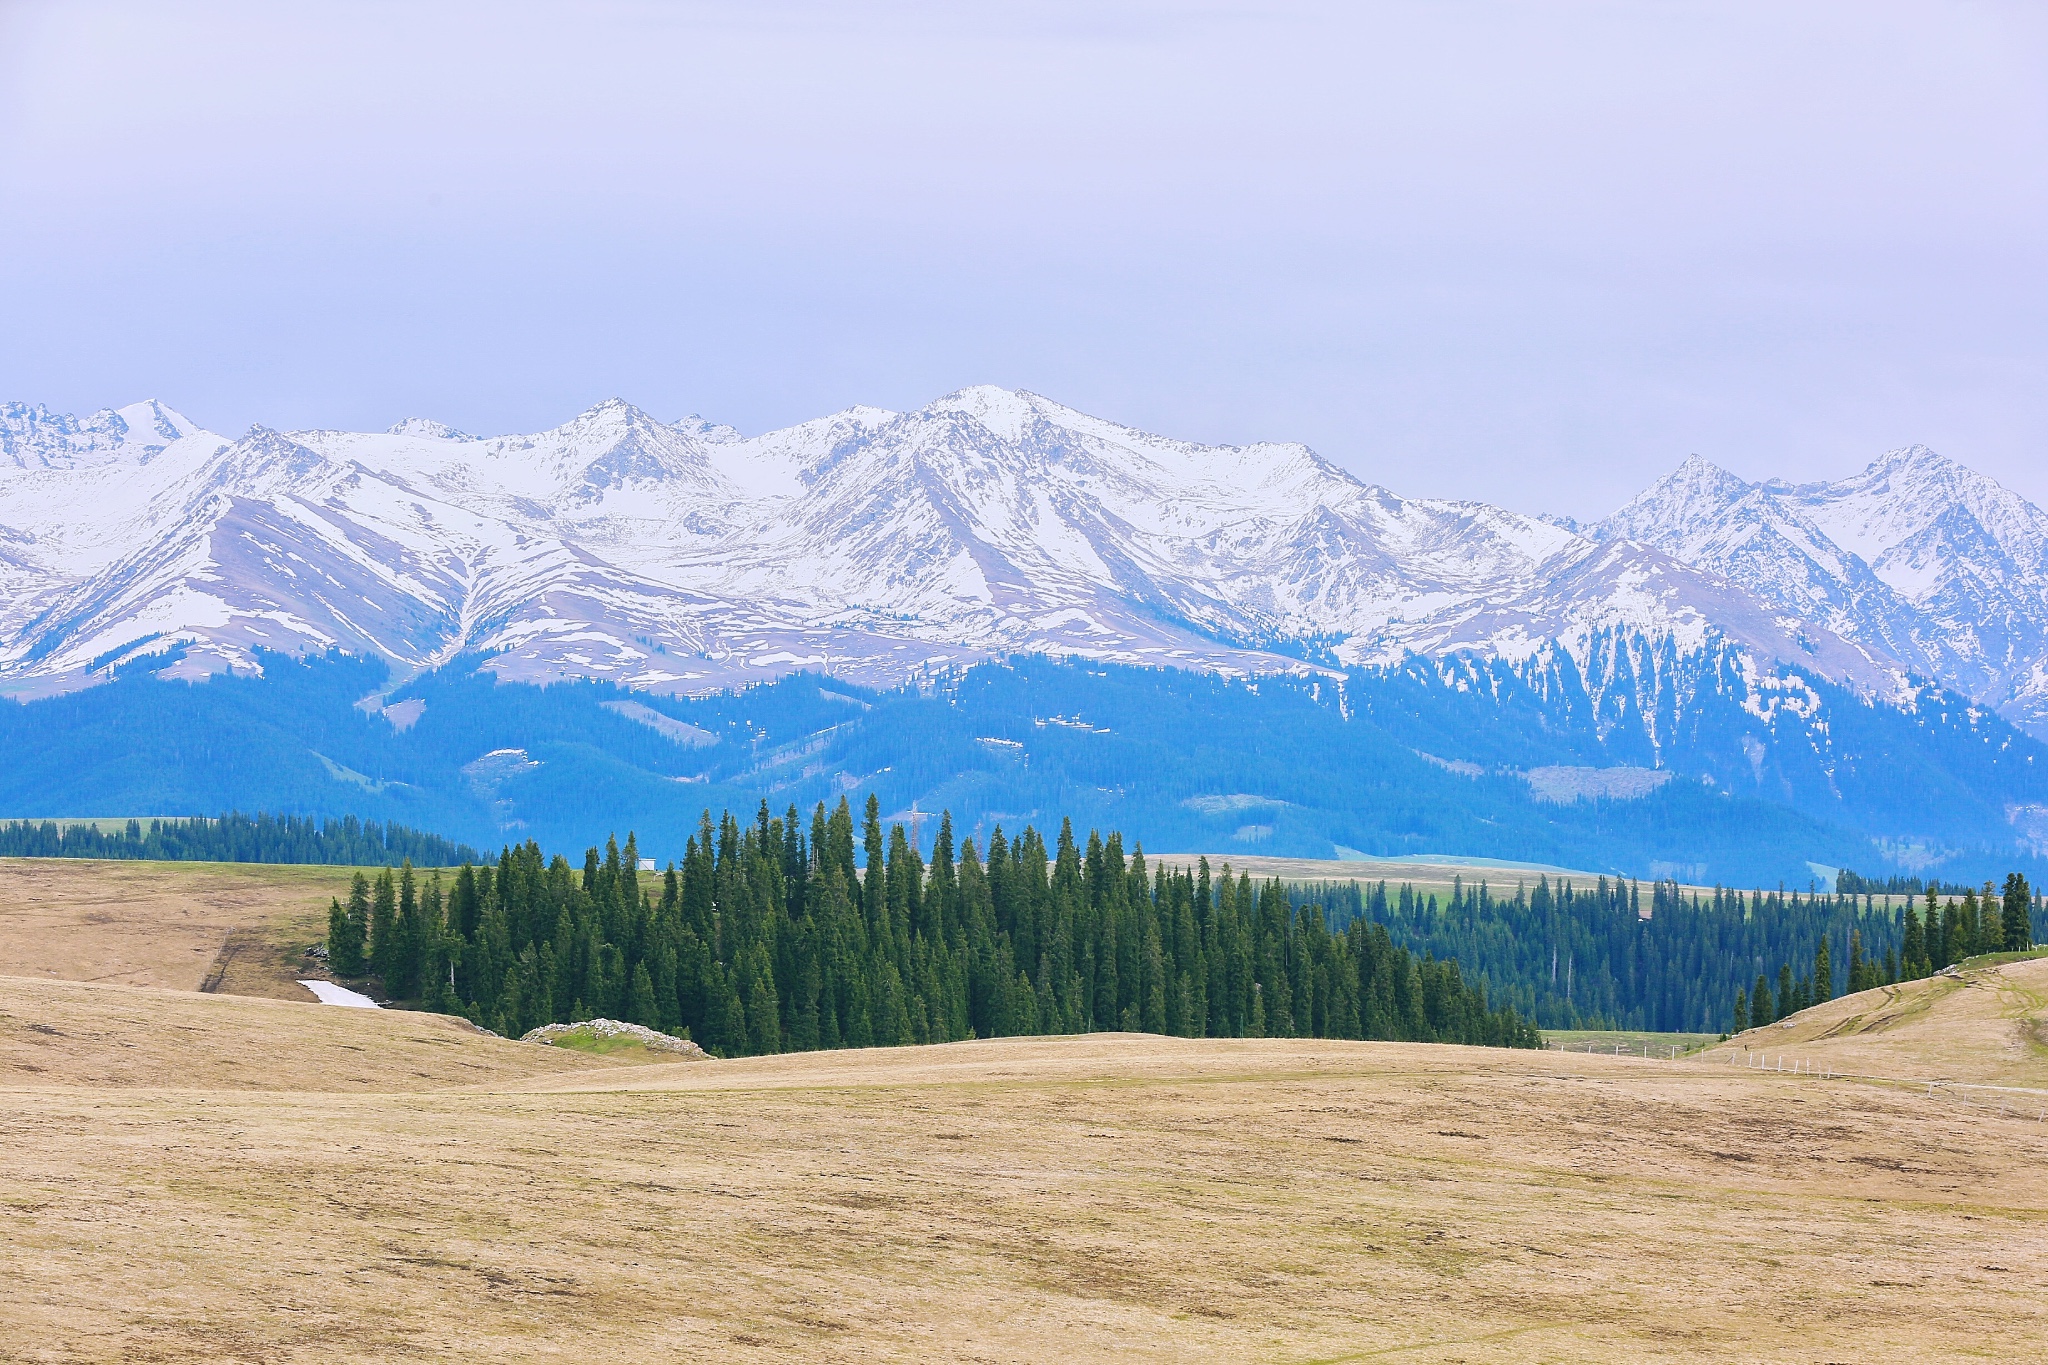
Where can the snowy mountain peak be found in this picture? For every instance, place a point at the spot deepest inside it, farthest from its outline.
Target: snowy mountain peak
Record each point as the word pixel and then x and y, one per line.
pixel 709 432
pixel 33 437
pixel 1696 478
pixel 265 454
pixel 1916 559
pixel 988 522
pixel 428 427
pixel 150 423
pixel 1916 459
pixel 611 412
pixel 1674 513
pixel 1005 412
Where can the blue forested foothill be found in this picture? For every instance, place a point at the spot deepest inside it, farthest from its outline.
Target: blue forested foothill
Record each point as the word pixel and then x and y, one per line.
pixel 1420 760
pixel 234 838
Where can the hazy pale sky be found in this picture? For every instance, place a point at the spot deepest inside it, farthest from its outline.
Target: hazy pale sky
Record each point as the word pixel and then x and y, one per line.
pixel 1535 253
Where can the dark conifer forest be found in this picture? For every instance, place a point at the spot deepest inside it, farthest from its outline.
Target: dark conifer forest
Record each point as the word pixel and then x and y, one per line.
pixel 770 938
pixel 237 838
pixel 1617 954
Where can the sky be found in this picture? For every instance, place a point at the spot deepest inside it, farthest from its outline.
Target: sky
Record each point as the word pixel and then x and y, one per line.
pixel 1531 253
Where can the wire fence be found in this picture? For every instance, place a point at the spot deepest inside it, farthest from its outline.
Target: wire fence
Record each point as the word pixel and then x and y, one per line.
pixel 2013 1101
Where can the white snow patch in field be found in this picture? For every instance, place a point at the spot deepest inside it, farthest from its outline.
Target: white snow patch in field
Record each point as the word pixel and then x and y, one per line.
pixel 331 994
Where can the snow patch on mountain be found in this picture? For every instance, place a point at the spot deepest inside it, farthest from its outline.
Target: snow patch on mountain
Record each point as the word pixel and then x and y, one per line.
pixel 33 437
pixel 879 546
pixel 1917 562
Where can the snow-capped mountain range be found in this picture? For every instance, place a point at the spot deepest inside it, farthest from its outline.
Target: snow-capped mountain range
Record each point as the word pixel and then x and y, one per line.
pixel 878 545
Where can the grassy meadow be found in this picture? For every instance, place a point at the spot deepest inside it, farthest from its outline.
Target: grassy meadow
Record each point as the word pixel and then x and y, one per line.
pixel 199 1176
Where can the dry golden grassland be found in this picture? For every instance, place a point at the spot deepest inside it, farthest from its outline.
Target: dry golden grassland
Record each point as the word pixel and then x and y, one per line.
pixel 204 1177
pixel 304 1186
pixel 1986 1025
pixel 100 1037
pixel 241 928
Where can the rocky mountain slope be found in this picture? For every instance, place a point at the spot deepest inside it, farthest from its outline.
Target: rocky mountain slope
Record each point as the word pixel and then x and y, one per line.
pixel 1916 561
pixel 683 557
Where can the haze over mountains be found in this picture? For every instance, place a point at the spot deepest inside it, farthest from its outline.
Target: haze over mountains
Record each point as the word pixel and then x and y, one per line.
pixel 879 545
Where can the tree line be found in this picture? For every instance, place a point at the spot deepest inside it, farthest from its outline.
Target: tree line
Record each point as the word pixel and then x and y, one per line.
pixel 1617 953
pixel 1928 940
pixel 1849 882
pixel 237 838
pixel 767 939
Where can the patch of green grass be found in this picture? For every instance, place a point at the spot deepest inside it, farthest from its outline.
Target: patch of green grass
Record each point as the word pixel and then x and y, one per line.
pixel 618 1045
pixel 1631 1041
pixel 105 824
pixel 1970 964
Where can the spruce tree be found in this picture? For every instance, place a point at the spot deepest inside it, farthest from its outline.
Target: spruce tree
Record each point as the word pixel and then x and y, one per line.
pixel 359 924
pixel 1912 946
pixel 1788 1005
pixel 1823 974
pixel 433 943
pixel 874 895
pixel 384 945
pixel 1741 1024
pixel 641 1009
pixel 409 940
pixel 1761 1008
pixel 344 942
pixel 2017 919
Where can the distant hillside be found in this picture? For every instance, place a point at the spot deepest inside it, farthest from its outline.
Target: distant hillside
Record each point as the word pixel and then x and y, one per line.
pixel 1751 786
pixel 1982 1022
pixel 233 838
pixel 121 1037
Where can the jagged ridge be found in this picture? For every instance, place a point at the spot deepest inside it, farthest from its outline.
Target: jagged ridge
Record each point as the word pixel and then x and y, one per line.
pixel 684 557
